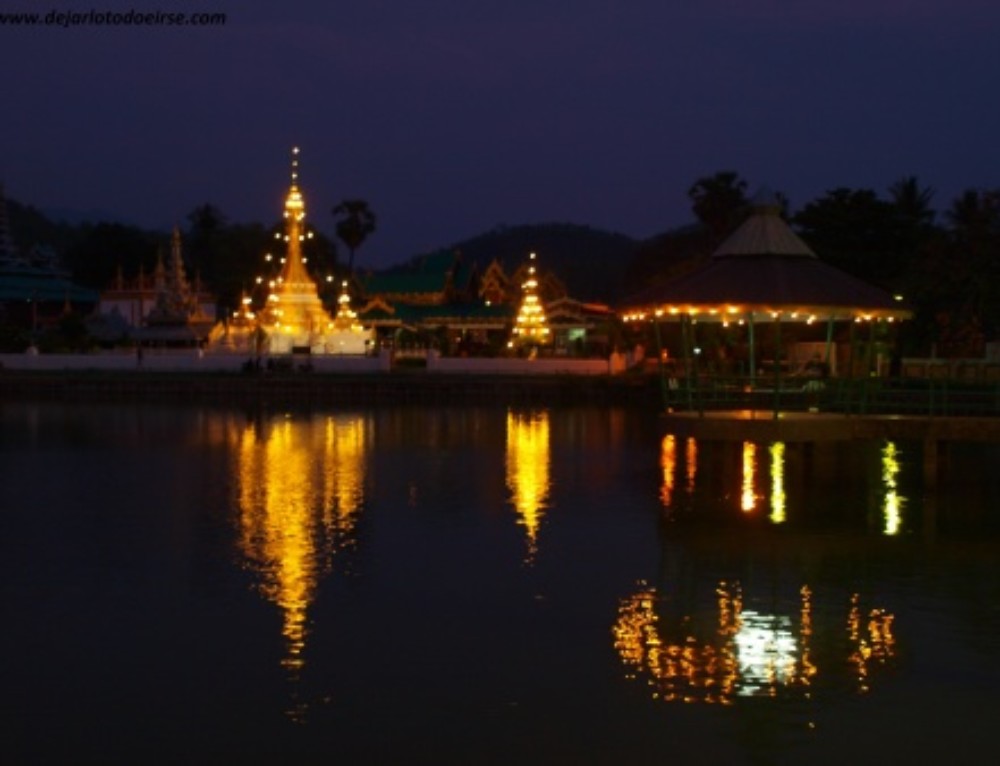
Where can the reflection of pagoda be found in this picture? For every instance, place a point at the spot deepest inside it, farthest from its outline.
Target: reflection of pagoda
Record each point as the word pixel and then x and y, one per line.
pixel 528 471
pixel 294 316
pixel 300 488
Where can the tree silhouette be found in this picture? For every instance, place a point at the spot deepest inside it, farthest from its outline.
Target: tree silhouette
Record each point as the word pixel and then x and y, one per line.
pixel 854 230
pixel 719 202
pixel 912 203
pixel 355 222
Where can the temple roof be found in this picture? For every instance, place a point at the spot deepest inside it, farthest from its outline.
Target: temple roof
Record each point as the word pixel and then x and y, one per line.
pixel 431 274
pixel 32 284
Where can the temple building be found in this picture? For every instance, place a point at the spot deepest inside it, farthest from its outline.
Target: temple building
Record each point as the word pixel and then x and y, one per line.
pixel 35 290
pixel 444 299
pixel 162 308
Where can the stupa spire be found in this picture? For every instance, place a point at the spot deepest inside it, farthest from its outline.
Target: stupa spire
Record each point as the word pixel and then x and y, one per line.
pixel 294 272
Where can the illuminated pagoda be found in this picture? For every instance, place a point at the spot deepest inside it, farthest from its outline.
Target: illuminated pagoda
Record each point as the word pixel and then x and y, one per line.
pixel 293 317
pixel 530 326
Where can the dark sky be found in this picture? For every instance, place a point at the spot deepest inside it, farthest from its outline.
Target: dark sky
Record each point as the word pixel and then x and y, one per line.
pixel 453 116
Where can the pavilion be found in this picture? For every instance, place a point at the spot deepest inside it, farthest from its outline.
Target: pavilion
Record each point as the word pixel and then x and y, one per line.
pixel 765 273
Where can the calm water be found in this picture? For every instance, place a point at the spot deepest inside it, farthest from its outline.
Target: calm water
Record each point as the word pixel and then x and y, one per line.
pixel 485 585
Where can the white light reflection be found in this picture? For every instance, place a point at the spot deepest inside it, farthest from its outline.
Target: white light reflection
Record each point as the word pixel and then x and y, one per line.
pixel 767 652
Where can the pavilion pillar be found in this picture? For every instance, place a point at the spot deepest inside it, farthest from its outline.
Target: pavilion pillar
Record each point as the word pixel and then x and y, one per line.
pixel 753 352
pixel 850 365
pixel 686 343
pixel 866 381
pixel 829 344
pixel 777 365
pixel 664 391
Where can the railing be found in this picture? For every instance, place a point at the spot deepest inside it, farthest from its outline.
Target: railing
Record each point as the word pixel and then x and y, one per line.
pixel 859 396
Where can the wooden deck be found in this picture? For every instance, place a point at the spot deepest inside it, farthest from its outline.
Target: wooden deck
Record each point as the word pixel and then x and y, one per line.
pixel 760 425
pixel 934 433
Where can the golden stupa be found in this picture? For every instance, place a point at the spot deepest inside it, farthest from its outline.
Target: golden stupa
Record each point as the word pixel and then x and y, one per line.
pixel 294 318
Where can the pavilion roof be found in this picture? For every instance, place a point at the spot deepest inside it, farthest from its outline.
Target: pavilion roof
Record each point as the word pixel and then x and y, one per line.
pixel 765 268
pixel 33 284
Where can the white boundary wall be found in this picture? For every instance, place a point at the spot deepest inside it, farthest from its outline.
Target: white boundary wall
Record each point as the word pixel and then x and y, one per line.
pixel 191 360
pixel 186 360
pixel 507 366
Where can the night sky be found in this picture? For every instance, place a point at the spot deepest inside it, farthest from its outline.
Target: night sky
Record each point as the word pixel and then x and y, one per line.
pixel 454 116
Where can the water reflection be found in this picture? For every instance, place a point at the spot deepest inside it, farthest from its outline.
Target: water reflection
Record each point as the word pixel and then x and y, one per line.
pixel 748 498
pixel 670 467
pixel 527 470
pixel 300 486
pixel 782 483
pixel 892 505
pixel 746 652
pixel 691 463
pixel 668 463
pixel 777 450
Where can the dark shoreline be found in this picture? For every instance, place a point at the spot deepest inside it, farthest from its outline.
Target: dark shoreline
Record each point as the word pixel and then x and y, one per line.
pixel 411 387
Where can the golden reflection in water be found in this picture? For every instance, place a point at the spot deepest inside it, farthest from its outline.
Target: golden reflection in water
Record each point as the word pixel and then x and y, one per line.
pixel 748 654
pixel 668 462
pixel 748 497
pixel 528 471
pixel 872 642
pixel 691 462
pixel 893 506
pixel 777 450
pixel 300 486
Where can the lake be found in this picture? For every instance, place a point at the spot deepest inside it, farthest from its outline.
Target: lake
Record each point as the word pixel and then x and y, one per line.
pixel 486 585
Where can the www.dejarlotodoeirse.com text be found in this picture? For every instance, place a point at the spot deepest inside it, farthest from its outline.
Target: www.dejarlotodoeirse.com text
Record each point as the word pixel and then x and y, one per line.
pixel 97 18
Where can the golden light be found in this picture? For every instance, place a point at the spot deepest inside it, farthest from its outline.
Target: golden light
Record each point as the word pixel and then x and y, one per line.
pixel 777 451
pixel 527 471
pixel 892 508
pixel 691 463
pixel 668 464
pixel 748 496
pixel 299 487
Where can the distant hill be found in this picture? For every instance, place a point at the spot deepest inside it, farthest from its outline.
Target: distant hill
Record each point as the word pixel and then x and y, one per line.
pixel 594 265
pixel 591 263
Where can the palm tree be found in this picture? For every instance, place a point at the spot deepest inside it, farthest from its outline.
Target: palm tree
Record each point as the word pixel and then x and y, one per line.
pixel 912 203
pixel 719 201
pixel 355 222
